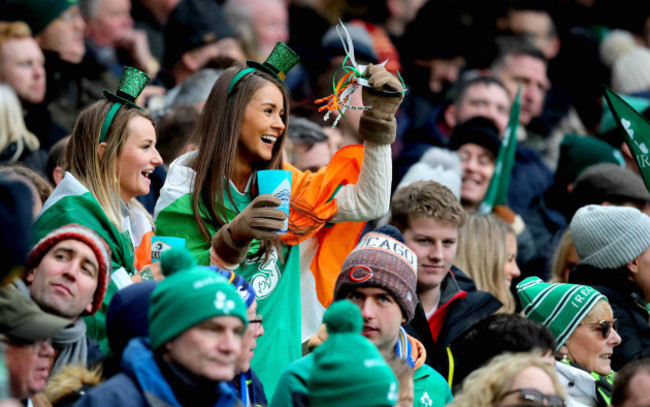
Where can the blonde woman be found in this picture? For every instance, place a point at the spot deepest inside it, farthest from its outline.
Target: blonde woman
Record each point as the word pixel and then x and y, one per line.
pixel 512 379
pixel 487 251
pixel 107 161
pixel 16 142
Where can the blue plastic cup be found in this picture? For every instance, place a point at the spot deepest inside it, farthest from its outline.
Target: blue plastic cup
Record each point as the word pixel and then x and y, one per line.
pixel 277 183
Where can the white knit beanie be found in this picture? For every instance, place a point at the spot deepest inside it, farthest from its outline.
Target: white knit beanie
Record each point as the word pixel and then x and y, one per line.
pixel 609 237
pixel 629 62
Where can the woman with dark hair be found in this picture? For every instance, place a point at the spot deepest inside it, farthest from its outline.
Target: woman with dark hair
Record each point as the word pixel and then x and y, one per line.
pixel 211 196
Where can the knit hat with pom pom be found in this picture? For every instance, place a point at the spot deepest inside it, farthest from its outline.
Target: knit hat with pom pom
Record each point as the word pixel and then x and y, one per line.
pixel 348 369
pixel 187 296
pixel 629 62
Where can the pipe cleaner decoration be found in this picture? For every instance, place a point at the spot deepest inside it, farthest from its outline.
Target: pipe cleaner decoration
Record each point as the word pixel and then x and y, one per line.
pixel 353 79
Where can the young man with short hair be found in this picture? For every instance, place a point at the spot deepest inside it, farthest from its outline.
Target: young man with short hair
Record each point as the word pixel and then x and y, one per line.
pixel 429 216
pixel 379 276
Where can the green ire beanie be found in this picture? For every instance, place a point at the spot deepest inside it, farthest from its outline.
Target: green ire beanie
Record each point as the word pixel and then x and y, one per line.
pixel 348 369
pixel 561 307
pixel 187 296
pixel 37 14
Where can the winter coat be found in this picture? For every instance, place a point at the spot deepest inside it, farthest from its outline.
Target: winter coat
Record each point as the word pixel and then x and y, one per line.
pixel 629 306
pixel 464 305
pixel 584 388
pixel 142 383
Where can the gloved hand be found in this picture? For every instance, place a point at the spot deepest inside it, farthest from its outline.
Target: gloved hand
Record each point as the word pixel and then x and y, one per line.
pixel 378 124
pixel 260 220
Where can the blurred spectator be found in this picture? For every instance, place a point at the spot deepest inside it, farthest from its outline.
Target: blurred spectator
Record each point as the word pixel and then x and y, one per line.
pixel 197 32
pixel 311 149
pixel 518 379
pixel 27 331
pixel 629 62
pixel 22 64
pixel 497 334
pixel 40 187
pixel 267 18
pixel 72 83
pixel 632 385
pixel 487 250
pixel 17 144
pixel 151 16
pixel 111 40
pixel 15 216
pixel 54 167
pixel 176 132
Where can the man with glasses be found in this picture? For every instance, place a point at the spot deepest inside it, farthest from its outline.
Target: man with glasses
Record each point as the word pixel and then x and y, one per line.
pixel 248 387
pixel 612 243
pixel 26 332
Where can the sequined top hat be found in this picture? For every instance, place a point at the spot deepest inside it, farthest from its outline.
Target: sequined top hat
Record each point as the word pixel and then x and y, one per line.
pixel 131 85
pixel 278 63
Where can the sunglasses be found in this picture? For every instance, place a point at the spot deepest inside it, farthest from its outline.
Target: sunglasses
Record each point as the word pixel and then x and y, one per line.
pixel 532 397
pixel 605 327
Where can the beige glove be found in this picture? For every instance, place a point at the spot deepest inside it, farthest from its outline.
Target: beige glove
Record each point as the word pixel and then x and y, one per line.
pixel 378 124
pixel 260 220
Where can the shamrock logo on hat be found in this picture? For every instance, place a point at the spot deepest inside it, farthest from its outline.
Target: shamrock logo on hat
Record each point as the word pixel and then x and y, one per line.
pixel 223 304
pixel 426 400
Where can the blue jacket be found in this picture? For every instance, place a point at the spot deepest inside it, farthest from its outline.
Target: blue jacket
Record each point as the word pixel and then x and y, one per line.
pixel 142 383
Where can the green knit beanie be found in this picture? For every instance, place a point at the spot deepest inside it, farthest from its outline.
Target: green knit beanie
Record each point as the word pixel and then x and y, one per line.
pixel 561 307
pixel 187 296
pixel 37 14
pixel 348 369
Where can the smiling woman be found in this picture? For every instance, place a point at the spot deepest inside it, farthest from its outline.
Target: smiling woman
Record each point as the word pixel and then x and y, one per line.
pixel 107 162
pixel 211 197
pixel 583 324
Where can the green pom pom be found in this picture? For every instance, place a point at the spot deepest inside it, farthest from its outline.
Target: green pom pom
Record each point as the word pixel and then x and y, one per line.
pixel 175 259
pixel 343 317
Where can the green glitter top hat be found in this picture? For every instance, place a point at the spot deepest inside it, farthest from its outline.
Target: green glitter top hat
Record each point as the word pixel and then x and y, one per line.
pixel 278 63
pixel 132 83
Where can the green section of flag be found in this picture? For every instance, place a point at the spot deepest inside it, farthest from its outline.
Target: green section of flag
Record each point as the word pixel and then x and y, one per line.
pixel 636 132
pixel 497 192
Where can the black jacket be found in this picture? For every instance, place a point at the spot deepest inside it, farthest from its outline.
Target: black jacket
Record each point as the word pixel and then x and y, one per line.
pixel 628 303
pixel 462 314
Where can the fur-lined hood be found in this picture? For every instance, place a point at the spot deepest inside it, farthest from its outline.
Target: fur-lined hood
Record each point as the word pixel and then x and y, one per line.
pixel 71 383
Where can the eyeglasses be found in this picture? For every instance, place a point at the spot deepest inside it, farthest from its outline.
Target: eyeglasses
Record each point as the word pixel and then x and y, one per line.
pixel 605 327
pixel 536 397
pixel 257 320
pixel 37 346
pixel 71 14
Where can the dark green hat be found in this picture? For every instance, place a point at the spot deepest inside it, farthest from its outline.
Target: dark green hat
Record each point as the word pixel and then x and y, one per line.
pixel 348 369
pixel 278 63
pixel 187 296
pixel 131 85
pixel 37 14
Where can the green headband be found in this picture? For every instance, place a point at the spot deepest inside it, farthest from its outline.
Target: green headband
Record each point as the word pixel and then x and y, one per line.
pixel 131 85
pixel 279 62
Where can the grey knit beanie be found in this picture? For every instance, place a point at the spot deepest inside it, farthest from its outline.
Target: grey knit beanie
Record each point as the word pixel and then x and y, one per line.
pixel 609 236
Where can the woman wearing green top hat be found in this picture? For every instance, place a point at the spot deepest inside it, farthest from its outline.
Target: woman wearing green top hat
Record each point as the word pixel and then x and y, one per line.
pixel 107 161
pixel 584 327
pixel 211 199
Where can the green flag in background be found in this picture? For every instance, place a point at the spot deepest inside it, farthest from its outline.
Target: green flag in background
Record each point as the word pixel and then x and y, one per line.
pixel 497 192
pixel 636 132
